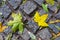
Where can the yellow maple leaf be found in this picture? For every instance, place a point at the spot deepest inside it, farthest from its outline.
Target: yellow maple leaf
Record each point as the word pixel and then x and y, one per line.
pixel 41 19
pixel 50 2
pixel 2 28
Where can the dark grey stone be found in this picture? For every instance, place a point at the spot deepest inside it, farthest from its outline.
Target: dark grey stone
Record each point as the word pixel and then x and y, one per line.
pixel 52 26
pixel 5 11
pixel 15 3
pixel 0 1
pixel 44 34
pixel 58 15
pixel 28 7
pixel 49 16
pixel 1 37
pixel 58 0
pixel 24 18
pixel 14 37
pixel 1 20
pixel 32 26
pixel 20 39
pixel 25 35
pixel 8 30
pixel 39 2
pixel 53 8
pixel 42 12
pixel 58 24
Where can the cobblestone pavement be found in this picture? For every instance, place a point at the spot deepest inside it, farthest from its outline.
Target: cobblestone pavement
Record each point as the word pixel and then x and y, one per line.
pixel 28 10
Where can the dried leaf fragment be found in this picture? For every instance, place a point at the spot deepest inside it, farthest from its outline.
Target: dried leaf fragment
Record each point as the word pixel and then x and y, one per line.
pixel 2 28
